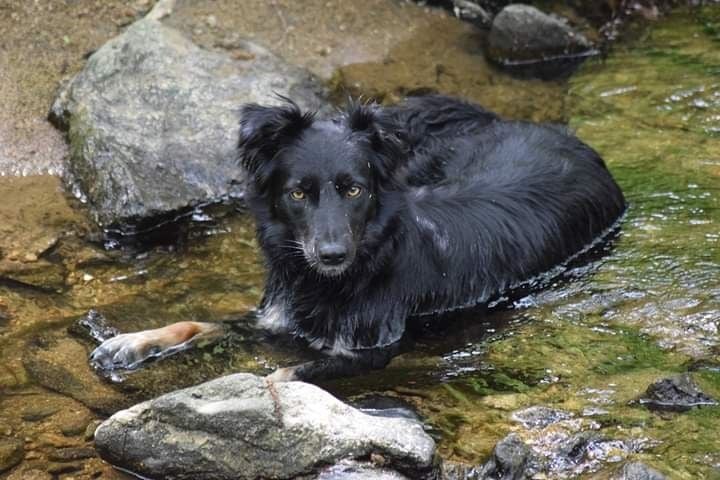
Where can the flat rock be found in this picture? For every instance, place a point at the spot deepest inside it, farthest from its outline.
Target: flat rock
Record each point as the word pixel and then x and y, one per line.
pixel 11 453
pixel 523 35
pixel 242 427
pixel 60 364
pixel 152 120
pixel 678 393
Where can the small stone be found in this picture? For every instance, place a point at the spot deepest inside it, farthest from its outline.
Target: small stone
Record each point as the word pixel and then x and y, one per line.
pixel 74 426
pixel 72 454
pixel 55 440
pixel 37 413
pixel 30 257
pixel 211 21
pixel 87 277
pixel 90 430
pixel 60 468
pixel 12 452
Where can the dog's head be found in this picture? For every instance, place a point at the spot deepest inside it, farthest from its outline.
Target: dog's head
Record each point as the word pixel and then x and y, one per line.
pixel 320 178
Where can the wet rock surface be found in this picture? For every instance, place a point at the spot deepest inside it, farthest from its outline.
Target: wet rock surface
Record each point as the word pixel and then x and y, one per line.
pixel 11 453
pixel 539 416
pixel 523 37
pixel 678 393
pixel 351 470
pixel 152 120
pixel 511 459
pixel 638 471
pixel 26 246
pixel 61 365
pixel 282 429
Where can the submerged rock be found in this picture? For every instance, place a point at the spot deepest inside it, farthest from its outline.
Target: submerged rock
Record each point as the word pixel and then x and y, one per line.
pixel 638 471
pixel 526 40
pixel 678 393
pixel 241 426
pixel 539 417
pixel 152 120
pixel 12 452
pixel 60 364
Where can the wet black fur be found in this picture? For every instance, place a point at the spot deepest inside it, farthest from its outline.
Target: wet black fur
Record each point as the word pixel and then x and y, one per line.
pixel 465 206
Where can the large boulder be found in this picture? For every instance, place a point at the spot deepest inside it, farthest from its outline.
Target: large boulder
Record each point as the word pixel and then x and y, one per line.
pixel 152 120
pixel 243 427
pixel 523 37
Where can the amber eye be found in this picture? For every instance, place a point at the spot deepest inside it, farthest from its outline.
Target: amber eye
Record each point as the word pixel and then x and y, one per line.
pixel 297 195
pixel 353 191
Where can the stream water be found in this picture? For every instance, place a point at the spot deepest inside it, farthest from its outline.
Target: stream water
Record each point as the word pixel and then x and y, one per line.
pixel 588 345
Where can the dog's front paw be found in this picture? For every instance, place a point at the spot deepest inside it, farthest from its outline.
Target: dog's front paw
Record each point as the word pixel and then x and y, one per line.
pixel 287 374
pixel 125 352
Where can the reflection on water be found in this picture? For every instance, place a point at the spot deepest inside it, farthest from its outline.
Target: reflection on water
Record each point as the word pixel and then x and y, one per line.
pixel 586 346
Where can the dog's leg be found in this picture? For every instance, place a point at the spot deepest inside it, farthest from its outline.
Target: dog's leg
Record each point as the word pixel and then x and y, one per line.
pixel 127 351
pixel 333 367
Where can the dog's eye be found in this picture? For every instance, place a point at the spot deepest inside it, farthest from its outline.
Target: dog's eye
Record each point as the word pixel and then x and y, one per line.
pixel 297 195
pixel 353 191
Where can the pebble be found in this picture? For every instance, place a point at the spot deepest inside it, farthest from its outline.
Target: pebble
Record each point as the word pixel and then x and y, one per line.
pixel 90 430
pixel 37 413
pixel 72 454
pixel 55 440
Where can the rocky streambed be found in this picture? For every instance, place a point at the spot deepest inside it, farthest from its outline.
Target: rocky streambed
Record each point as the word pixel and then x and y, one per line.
pixel 558 386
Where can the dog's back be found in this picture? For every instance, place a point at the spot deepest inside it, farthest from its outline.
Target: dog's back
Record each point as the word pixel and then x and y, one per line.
pixel 498 206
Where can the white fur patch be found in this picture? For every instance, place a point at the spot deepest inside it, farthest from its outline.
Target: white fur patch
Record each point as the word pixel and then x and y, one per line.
pixel 273 318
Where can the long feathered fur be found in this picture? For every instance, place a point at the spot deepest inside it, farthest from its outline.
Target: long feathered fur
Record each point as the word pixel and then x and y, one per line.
pixel 468 205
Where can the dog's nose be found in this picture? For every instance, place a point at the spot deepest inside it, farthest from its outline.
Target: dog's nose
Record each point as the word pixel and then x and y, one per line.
pixel 332 254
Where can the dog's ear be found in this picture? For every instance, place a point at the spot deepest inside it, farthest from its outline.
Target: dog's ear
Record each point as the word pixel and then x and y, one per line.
pixel 264 131
pixel 385 139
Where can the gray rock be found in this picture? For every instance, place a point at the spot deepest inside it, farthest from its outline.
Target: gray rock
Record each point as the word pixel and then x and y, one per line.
pixel 678 393
pixel 638 471
pixel 152 120
pixel 539 416
pixel 511 460
pixel 522 34
pixel 12 452
pixel 352 470
pixel 60 364
pixel 240 426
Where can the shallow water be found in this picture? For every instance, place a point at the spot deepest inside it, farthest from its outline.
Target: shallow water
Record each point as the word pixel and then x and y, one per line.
pixel 588 345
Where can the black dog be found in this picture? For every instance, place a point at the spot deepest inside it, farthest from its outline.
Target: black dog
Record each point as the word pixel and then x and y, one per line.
pixel 379 215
